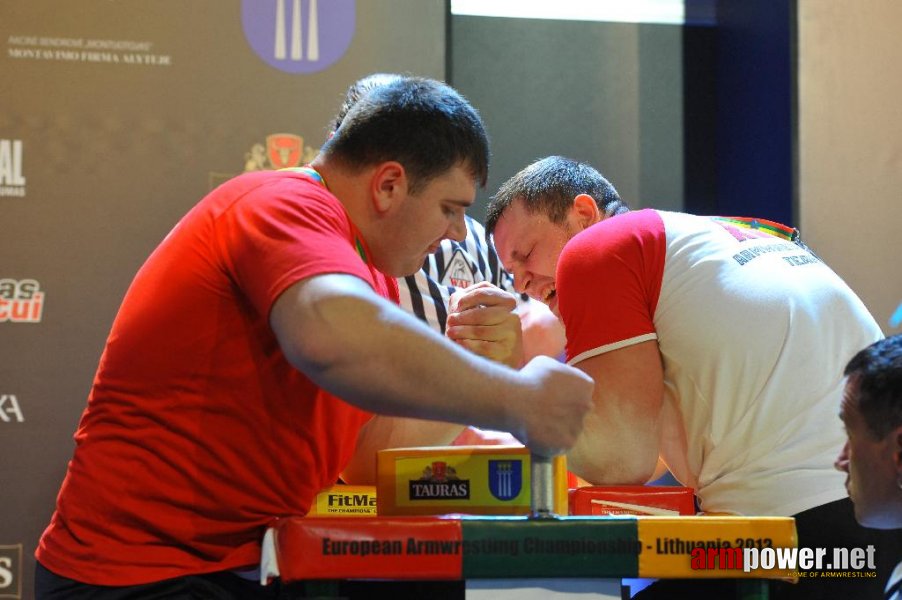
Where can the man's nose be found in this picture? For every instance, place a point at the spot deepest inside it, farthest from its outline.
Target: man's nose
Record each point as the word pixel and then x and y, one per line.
pixel 521 280
pixel 457 231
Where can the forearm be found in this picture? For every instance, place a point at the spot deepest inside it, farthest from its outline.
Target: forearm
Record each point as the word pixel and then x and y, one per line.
pixel 606 454
pixel 367 351
pixel 620 442
pixel 482 318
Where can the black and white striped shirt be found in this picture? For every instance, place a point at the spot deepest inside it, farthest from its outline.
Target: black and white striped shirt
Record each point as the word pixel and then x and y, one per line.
pixel 454 265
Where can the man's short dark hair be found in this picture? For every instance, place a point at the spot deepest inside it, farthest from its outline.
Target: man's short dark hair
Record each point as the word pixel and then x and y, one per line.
pixel 423 124
pixel 549 186
pixel 358 90
pixel 877 371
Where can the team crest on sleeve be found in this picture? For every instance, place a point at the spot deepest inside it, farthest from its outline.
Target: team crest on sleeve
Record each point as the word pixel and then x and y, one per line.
pixel 505 478
pixel 459 271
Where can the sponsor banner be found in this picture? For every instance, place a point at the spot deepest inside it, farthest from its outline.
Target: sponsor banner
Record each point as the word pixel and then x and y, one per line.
pixel 345 501
pixel 12 160
pixel 439 481
pixel 10 409
pixel 11 571
pixel 21 301
pixel 277 151
pixel 85 50
pixel 668 543
pixel 452 548
pixel 465 479
pixel 504 547
pixel 337 548
pixel 510 547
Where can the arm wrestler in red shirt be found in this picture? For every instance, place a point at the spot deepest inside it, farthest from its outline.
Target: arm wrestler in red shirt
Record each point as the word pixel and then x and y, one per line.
pixel 260 336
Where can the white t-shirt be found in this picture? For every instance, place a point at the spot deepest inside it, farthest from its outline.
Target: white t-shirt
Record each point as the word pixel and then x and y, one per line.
pixel 754 332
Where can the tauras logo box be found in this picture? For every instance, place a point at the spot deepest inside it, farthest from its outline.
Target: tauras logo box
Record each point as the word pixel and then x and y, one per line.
pixel 463 479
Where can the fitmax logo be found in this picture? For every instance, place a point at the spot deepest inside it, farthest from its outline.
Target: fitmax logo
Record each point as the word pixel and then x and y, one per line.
pixel 347 500
pixel 11 571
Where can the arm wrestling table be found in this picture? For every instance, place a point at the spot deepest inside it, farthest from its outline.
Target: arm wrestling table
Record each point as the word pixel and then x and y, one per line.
pixel 592 553
pixel 464 548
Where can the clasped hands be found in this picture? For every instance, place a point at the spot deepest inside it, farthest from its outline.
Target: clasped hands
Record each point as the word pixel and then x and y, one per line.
pixel 483 319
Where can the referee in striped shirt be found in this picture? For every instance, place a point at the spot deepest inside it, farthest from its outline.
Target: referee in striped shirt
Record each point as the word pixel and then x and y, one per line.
pixel 459 266
pixel 455 265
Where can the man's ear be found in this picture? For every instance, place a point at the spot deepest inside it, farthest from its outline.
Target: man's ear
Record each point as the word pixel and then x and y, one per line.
pixel 896 444
pixel 388 185
pixel 586 211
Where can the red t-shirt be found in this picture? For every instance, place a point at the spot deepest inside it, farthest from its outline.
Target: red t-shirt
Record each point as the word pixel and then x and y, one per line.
pixel 198 432
pixel 608 280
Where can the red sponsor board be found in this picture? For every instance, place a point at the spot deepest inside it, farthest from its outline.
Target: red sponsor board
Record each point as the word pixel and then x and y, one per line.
pixel 386 548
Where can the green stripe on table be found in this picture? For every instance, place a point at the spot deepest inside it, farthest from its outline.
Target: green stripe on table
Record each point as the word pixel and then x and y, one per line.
pixel 517 547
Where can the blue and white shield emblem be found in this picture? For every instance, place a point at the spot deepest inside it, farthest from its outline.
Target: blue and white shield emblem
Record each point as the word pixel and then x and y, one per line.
pixel 505 478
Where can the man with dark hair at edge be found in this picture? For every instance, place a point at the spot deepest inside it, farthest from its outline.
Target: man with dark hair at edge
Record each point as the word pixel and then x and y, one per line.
pixel 256 341
pixel 871 411
pixel 716 345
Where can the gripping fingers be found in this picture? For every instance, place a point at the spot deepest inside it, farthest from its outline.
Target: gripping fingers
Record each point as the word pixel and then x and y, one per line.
pixel 490 350
pixel 481 294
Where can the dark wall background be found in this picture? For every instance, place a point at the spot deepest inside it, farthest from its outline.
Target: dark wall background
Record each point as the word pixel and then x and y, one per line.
pixel 695 117
pixel 112 154
pixel 755 129
pixel 99 159
pixel 606 93
pixel 849 145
